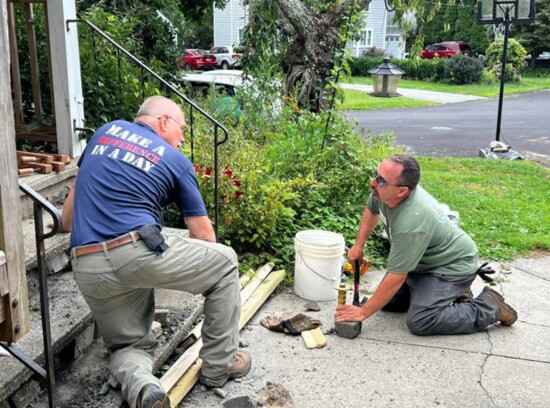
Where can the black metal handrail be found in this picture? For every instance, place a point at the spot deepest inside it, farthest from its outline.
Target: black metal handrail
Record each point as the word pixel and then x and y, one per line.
pixel 192 107
pixel 39 204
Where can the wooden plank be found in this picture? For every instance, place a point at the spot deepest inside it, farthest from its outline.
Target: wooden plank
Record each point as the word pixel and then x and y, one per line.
pixel 17 318
pixel 182 364
pixel 177 392
pixel 58 166
pixel 42 167
pixel 15 70
pixel 46 158
pixel 314 338
pixel 63 158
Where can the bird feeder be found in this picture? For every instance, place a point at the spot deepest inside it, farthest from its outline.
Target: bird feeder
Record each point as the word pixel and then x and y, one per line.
pixel 385 78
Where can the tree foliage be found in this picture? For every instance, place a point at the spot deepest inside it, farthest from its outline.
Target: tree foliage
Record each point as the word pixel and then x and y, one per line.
pixel 457 23
pixel 535 37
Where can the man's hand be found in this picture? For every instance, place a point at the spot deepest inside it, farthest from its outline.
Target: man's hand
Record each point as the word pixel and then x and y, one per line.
pixel 349 313
pixel 356 253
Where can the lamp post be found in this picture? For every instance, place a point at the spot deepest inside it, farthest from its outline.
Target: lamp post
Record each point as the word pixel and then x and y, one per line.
pixel 385 78
pixel 507 12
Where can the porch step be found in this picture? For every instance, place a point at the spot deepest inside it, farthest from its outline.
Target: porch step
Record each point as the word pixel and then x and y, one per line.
pixel 50 186
pixel 72 330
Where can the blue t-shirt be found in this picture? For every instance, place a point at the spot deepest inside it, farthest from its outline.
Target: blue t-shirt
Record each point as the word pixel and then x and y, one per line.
pixel 128 173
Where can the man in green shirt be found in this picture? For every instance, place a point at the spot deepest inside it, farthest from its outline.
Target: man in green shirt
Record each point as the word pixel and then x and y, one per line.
pixel 431 264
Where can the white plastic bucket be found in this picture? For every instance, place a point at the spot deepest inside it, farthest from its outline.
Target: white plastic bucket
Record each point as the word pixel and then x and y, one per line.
pixel 318 264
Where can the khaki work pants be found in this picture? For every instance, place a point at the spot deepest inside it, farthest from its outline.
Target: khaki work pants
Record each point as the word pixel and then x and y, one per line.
pixel 118 286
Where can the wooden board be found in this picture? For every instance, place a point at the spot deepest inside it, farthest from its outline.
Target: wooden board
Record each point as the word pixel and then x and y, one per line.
pixel 175 372
pixel 314 338
pixel 192 372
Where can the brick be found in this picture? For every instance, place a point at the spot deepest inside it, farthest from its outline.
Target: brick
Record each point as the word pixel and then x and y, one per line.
pixel 161 316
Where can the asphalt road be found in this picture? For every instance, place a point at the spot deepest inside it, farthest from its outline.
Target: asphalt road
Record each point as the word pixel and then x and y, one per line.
pixel 461 129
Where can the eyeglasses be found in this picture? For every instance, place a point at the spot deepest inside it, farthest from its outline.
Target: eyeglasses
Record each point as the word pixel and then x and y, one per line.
pixel 383 183
pixel 183 126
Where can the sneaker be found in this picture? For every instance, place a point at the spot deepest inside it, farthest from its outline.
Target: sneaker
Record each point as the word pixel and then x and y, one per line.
pixel 151 396
pixel 466 296
pixel 240 368
pixel 506 314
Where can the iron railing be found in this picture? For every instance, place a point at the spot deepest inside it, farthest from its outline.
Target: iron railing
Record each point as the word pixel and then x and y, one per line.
pixel 40 203
pixel 193 107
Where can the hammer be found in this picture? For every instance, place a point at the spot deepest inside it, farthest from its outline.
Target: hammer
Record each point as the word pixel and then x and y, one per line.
pixel 350 330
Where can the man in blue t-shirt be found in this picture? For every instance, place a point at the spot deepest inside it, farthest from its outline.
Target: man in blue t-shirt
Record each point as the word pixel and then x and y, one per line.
pixel 431 264
pixel 127 174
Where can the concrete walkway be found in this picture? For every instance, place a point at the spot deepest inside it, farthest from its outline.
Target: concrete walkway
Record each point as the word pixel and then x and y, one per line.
pixel 430 96
pixel 387 366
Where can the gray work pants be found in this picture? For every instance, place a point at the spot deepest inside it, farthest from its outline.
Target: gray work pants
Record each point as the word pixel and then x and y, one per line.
pixel 429 299
pixel 118 286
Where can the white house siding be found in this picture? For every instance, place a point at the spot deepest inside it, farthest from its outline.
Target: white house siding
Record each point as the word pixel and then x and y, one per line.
pixel 378 26
pixel 385 35
pixel 228 22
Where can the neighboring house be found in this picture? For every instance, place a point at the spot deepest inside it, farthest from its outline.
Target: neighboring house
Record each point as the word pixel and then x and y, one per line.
pixel 379 31
pixel 229 24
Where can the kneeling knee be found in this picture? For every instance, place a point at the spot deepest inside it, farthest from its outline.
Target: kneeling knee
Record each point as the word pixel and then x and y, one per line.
pixel 418 327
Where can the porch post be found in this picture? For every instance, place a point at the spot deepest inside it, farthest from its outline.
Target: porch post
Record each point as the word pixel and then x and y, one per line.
pixel 66 81
pixel 14 319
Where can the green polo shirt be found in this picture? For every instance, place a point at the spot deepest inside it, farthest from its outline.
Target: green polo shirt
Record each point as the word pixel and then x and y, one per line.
pixel 423 239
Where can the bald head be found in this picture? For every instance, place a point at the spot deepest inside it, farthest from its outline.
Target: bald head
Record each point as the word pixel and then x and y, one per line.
pixel 165 117
pixel 157 106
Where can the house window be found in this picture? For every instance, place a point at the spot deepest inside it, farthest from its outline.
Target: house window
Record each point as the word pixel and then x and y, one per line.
pixel 365 38
pixel 241 35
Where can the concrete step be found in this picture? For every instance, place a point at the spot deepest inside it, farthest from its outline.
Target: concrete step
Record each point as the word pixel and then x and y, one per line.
pixel 50 186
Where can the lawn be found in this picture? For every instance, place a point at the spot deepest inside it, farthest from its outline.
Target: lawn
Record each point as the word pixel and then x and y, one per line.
pixel 503 204
pixel 527 84
pixel 359 100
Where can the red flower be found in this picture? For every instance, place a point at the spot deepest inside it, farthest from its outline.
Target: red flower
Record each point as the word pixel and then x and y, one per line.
pixel 197 169
pixel 238 194
pixel 237 182
pixel 228 172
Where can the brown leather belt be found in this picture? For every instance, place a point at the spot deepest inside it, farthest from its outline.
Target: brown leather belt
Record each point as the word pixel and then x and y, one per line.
pixel 112 244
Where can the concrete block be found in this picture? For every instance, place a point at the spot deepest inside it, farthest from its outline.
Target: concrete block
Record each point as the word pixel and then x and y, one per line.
pixel 58 263
pixel 347 330
pixel 161 316
pixel 84 340
pixel 25 396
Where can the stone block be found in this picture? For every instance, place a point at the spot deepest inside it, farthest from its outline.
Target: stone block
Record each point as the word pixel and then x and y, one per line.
pixel 347 330
pixel 161 316
pixel 156 328
pixel 26 395
pixel 84 340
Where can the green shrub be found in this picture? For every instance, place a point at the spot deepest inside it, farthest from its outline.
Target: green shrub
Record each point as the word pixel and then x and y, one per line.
pixel 361 66
pixel 427 70
pixel 515 53
pixel 276 180
pixel 536 72
pixel 488 77
pixel 461 69
pixel 512 74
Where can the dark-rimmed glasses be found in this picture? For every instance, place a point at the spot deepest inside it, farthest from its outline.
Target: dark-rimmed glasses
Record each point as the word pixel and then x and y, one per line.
pixel 383 183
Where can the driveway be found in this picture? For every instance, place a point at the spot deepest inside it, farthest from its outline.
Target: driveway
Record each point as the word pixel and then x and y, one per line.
pixel 461 129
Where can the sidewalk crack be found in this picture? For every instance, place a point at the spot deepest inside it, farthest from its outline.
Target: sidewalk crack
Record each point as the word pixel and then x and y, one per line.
pixel 482 373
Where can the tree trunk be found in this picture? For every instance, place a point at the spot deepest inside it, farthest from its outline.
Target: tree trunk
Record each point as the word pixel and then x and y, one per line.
pixel 310 57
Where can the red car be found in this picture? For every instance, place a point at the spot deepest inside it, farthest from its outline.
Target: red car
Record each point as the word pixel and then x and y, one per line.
pixel 196 59
pixel 446 50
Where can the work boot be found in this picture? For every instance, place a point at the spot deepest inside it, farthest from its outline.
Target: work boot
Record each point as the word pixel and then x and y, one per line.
pixel 466 296
pixel 240 368
pixel 151 396
pixel 507 316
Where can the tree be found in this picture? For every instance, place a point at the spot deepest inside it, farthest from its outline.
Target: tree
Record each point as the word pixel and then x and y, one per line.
pixel 535 37
pixel 311 35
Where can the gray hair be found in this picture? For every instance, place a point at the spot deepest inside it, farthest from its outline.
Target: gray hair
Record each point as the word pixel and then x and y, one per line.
pixel 410 176
pixel 155 106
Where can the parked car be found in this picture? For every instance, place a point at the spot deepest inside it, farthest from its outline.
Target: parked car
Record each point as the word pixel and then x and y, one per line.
pixel 224 82
pixel 225 57
pixel 543 60
pixel 196 59
pixel 446 50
